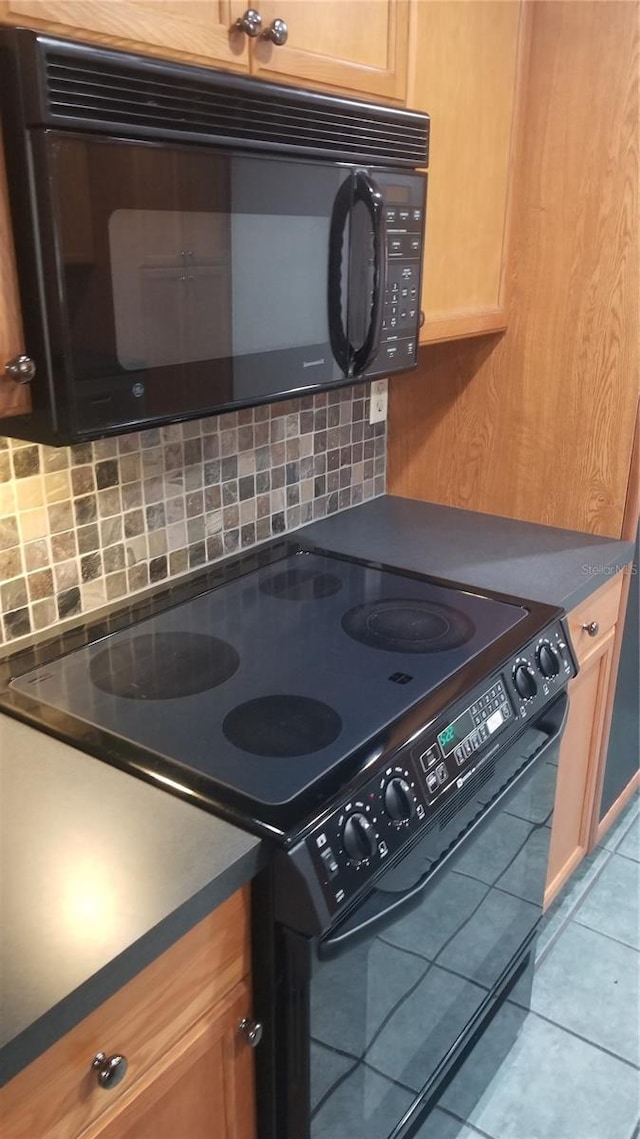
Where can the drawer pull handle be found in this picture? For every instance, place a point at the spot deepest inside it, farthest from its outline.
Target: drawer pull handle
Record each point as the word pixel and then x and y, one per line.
pixel 592 628
pixel 20 369
pixel 110 1070
pixel 250 23
pixel 277 33
pixel 252 1030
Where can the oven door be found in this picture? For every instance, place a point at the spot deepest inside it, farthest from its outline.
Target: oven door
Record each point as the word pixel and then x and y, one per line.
pixel 180 280
pixel 384 1004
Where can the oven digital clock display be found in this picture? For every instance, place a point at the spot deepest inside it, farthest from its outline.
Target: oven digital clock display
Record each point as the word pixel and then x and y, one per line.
pixel 455 733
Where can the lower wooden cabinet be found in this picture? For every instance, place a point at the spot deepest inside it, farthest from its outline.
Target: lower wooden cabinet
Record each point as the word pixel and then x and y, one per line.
pixel 189 1065
pixel 592 627
pixel 202 1088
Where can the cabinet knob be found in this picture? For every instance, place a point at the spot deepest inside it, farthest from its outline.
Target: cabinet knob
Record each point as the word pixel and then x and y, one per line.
pixel 592 628
pixel 252 1030
pixel 110 1070
pixel 21 369
pixel 250 23
pixel 277 33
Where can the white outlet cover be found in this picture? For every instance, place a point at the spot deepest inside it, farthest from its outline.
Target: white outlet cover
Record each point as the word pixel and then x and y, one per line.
pixel 378 401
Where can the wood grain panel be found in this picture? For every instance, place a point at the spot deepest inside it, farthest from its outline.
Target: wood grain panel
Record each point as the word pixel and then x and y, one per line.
pixel 198 30
pixel 143 1020
pixel 539 426
pixel 353 45
pixel 201 1088
pixel 464 74
pixel 14 398
pixel 577 768
pixel 602 608
pixel 599 827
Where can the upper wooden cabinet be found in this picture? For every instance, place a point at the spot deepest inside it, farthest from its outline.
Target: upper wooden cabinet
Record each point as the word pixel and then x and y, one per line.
pixel 14 398
pixel 355 45
pixel 467 62
pixel 350 45
pixel 199 30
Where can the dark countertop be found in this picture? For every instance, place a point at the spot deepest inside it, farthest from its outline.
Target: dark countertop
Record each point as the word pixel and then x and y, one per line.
pixel 540 563
pixel 103 872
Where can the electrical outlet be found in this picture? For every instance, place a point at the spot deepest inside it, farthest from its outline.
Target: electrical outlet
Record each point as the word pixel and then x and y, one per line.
pixel 379 400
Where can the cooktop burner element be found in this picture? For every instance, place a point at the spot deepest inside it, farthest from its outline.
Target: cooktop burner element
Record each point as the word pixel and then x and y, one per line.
pixel 282 726
pixel 256 692
pixel 300 584
pixel 408 626
pixel 163 666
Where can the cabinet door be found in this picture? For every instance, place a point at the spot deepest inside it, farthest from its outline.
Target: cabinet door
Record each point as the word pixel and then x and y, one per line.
pixel 466 63
pixel 14 398
pixel 203 1087
pixel 356 45
pixel 196 29
pixel 592 626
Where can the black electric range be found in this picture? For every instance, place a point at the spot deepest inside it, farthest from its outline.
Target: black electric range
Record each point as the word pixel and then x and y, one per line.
pixel 393 735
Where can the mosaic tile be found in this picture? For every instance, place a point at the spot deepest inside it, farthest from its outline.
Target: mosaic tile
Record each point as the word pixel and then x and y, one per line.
pixel 91 523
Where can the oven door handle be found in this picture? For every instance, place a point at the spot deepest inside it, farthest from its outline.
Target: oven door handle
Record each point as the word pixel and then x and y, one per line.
pixel 360 187
pixel 552 723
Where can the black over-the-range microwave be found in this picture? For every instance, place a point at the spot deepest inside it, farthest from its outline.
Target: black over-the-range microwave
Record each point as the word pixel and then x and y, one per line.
pixel 189 241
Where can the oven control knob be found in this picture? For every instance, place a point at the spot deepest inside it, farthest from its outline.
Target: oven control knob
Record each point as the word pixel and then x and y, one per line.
pixel 524 681
pixel 548 661
pixel 359 838
pixel 399 802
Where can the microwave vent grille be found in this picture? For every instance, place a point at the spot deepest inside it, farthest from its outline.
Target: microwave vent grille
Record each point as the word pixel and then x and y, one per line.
pixel 101 92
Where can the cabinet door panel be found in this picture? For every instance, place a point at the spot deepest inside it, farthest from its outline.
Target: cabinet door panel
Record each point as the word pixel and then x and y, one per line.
pixel 465 73
pixel 14 398
pixel 201 1088
pixel 359 45
pixel 198 29
pixel 577 768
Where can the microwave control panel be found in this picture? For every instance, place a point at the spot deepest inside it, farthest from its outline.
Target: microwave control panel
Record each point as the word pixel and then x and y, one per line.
pixel 404 204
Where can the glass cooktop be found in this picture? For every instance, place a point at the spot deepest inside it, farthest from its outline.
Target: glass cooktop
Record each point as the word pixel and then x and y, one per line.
pixel 263 685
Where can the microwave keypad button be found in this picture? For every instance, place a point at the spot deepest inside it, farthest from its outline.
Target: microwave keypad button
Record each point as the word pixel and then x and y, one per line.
pixel 408 272
pixel 392 216
pixel 416 215
pixel 414 244
pixel 442 773
pixel 403 215
pixel 396 245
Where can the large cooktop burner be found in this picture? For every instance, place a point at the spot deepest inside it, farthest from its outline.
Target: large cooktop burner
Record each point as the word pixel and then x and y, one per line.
pixel 408 626
pixel 256 691
pixel 163 666
pixel 282 726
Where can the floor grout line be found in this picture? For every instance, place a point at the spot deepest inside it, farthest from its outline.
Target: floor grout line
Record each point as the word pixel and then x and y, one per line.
pixel 474 1130
pixel 609 936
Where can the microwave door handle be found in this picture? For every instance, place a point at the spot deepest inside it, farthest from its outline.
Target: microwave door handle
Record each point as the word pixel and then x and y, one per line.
pixel 551 725
pixel 341 346
pixel 367 191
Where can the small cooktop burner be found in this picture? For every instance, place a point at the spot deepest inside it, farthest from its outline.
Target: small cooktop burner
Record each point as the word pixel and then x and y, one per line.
pixel 163 666
pixel 257 691
pixel 282 726
pixel 300 584
pixel 408 626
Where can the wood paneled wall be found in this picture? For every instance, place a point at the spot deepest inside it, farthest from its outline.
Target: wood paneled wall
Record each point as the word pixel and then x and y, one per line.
pixel 538 424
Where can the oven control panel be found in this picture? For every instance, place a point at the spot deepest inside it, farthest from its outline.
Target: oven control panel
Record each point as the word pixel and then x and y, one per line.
pixel 407 793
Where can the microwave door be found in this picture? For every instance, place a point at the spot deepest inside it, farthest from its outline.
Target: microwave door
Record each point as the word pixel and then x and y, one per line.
pixel 358 226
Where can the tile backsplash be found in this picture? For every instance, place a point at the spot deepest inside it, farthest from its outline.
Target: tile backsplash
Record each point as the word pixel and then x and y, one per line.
pixel 88 524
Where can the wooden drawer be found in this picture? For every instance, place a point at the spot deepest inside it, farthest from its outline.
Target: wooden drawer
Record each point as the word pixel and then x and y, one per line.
pixel 602 609
pixel 58 1096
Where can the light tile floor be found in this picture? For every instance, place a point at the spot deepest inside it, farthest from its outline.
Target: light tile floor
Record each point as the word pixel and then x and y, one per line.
pixel 574 1070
